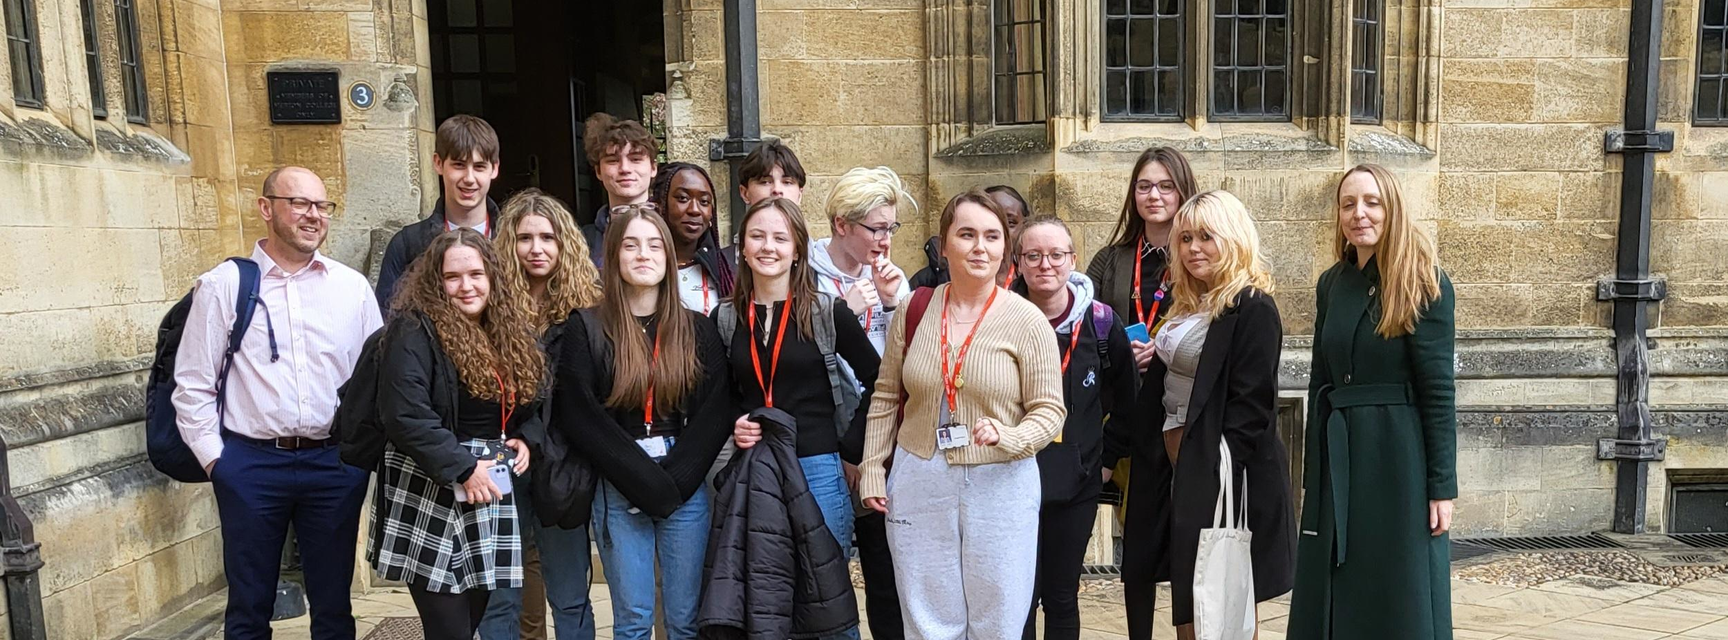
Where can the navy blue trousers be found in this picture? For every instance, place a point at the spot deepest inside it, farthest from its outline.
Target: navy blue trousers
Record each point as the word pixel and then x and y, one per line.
pixel 260 490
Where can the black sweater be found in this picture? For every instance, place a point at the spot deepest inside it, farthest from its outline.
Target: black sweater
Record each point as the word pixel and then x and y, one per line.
pixel 606 437
pixel 801 381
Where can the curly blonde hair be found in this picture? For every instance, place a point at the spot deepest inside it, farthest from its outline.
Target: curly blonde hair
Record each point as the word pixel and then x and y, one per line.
pixel 574 283
pixel 497 357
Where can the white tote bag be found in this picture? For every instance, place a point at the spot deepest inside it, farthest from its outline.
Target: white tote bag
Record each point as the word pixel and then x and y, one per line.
pixel 1224 567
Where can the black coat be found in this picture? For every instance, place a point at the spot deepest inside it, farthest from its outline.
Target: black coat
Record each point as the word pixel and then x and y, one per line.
pixel 412 241
pixel 418 392
pixel 1235 398
pixel 774 570
pixel 564 482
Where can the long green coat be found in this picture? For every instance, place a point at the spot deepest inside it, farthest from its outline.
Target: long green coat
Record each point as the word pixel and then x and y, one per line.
pixel 1381 443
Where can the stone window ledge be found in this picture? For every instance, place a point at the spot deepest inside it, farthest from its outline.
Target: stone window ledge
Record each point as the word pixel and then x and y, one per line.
pixel 1376 139
pixel 1001 141
pixel 139 143
pixel 1134 137
pixel 38 133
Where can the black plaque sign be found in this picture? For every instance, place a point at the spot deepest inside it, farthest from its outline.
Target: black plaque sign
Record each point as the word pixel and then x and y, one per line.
pixel 304 97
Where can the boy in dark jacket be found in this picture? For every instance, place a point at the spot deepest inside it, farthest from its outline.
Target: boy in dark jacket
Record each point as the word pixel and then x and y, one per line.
pixel 622 152
pixel 465 155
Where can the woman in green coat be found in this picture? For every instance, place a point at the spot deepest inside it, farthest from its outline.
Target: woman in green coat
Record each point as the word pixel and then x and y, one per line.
pixel 1380 477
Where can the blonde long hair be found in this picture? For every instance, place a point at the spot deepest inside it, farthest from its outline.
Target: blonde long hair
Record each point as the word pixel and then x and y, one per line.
pixel 574 283
pixel 501 343
pixel 676 372
pixel 1240 266
pixel 1409 275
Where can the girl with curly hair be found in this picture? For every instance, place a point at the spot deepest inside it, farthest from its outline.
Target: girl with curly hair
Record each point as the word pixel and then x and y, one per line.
pixel 460 376
pixel 553 271
pixel 643 385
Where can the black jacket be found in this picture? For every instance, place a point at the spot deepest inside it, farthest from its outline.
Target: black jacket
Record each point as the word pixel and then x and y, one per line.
pixel 1235 399
pixel 584 380
pixel 564 482
pixel 774 570
pixel 417 397
pixel 1093 390
pixel 412 241
pixel 1112 272
pixel 935 272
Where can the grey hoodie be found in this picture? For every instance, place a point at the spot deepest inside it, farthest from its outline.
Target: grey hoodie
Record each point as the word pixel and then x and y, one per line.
pixel 830 280
pixel 1081 287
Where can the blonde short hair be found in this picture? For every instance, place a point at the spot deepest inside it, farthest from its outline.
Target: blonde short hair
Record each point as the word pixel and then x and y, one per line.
pixel 863 190
pixel 1240 262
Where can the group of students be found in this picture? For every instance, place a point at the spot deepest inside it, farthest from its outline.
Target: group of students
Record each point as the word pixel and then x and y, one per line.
pixel 726 422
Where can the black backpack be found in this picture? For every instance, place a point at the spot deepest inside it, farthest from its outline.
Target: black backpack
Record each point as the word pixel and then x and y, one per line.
pixel 356 426
pixel 168 451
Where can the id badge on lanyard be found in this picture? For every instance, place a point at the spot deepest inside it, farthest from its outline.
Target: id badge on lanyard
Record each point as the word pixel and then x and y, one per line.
pixel 950 433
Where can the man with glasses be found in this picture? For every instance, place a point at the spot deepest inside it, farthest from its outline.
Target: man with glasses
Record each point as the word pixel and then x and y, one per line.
pixel 465 155
pixel 267 448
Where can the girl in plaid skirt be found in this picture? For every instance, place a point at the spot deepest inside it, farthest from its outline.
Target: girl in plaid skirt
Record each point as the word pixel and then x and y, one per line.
pixel 460 373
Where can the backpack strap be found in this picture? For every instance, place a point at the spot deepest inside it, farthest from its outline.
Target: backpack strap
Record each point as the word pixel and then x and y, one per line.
pixel 246 301
pixel 727 322
pixel 914 315
pixel 823 326
pixel 1102 318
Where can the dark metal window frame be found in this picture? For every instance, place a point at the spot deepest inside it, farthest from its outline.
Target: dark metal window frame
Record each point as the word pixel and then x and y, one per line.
pixel 444 76
pixel 131 61
pixel 1367 61
pixel 1720 76
pixel 1223 10
pixel 1003 33
pixel 21 31
pixel 1183 63
pixel 93 60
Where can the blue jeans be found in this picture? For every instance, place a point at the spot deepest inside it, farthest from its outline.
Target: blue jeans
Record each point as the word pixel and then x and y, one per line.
pixel 828 484
pixel 630 542
pixel 564 566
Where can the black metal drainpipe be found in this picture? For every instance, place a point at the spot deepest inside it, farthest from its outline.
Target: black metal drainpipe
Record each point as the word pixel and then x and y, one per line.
pixel 20 560
pixel 1632 289
pixel 743 100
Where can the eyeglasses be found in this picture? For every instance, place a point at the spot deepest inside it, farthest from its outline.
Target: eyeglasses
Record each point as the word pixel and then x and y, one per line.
pixel 879 232
pixel 1056 258
pixel 302 206
pixel 1144 187
pixel 622 209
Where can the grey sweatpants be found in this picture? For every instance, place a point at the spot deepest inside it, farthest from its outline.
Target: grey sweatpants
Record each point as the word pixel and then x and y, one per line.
pixel 965 543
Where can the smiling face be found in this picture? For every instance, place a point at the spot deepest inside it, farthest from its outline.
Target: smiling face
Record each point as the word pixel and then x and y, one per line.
pixel 536 246
pixel 1361 216
pixel 974 243
pixel 466 180
pixel 465 280
pixel 642 254
pixel 1047 275
pixel 690 207
pixel 1199 252
pixel 770 245
pixel 625 171
pixel 1155 196
pixel 303 232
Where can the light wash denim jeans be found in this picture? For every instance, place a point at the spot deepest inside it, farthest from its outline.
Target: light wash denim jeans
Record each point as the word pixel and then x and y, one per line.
pixel 631 542
pixel 828 483
pixel 564 565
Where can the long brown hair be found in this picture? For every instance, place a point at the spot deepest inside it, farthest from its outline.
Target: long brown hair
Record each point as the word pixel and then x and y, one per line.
pixel 574 283
pixel 1241 264
pixel 1409 275
pixel 803 277
pixel 676 372
pixel 1129 227
pixel 502 343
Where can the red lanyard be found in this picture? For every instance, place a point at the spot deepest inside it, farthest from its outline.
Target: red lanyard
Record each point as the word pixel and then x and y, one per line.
pixel 704 274
pixel 774 364
pixel 648 403
pixel 952 383
pixel 1157 296
pixel 1012 269
pixel 1073 341
pixel 867 312
pixel 506 405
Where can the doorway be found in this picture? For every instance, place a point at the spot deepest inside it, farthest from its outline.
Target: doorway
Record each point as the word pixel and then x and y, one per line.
pixel 536 71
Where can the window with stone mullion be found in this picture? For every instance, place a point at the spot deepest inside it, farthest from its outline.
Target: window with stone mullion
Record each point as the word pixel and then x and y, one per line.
pixel 1143 60
pixel 473 55
pixel 93 60
pixel 25 52
pixel 1710 104
pixel 1017 37
pixel 131 61
pixel 1250 60
pixel 1366 36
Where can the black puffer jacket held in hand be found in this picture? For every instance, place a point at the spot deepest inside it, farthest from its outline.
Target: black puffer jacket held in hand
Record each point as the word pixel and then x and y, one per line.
pixel 774 570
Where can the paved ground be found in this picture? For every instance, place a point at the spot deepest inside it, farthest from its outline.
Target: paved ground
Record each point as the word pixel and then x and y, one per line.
pixel 1577 608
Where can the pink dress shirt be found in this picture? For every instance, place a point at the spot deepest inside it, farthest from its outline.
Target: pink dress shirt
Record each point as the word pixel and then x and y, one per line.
pixel 323 314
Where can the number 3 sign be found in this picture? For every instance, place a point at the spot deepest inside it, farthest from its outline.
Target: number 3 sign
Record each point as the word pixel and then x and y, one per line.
pixel 362 95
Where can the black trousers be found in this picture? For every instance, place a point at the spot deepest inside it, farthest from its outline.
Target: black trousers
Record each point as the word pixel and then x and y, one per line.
pixel 449 616
pixel 1064 528
pixel 881 595
pixel 1141 601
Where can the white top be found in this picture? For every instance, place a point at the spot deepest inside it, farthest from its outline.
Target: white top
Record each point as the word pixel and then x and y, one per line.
pixel 696 290
pixel 484 227
pixel 1178 344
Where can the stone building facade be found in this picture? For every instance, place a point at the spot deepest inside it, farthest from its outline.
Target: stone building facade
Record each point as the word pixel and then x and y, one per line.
pixel 134 135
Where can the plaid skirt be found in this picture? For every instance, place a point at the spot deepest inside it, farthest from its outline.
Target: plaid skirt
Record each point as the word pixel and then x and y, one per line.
pixel 422 535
